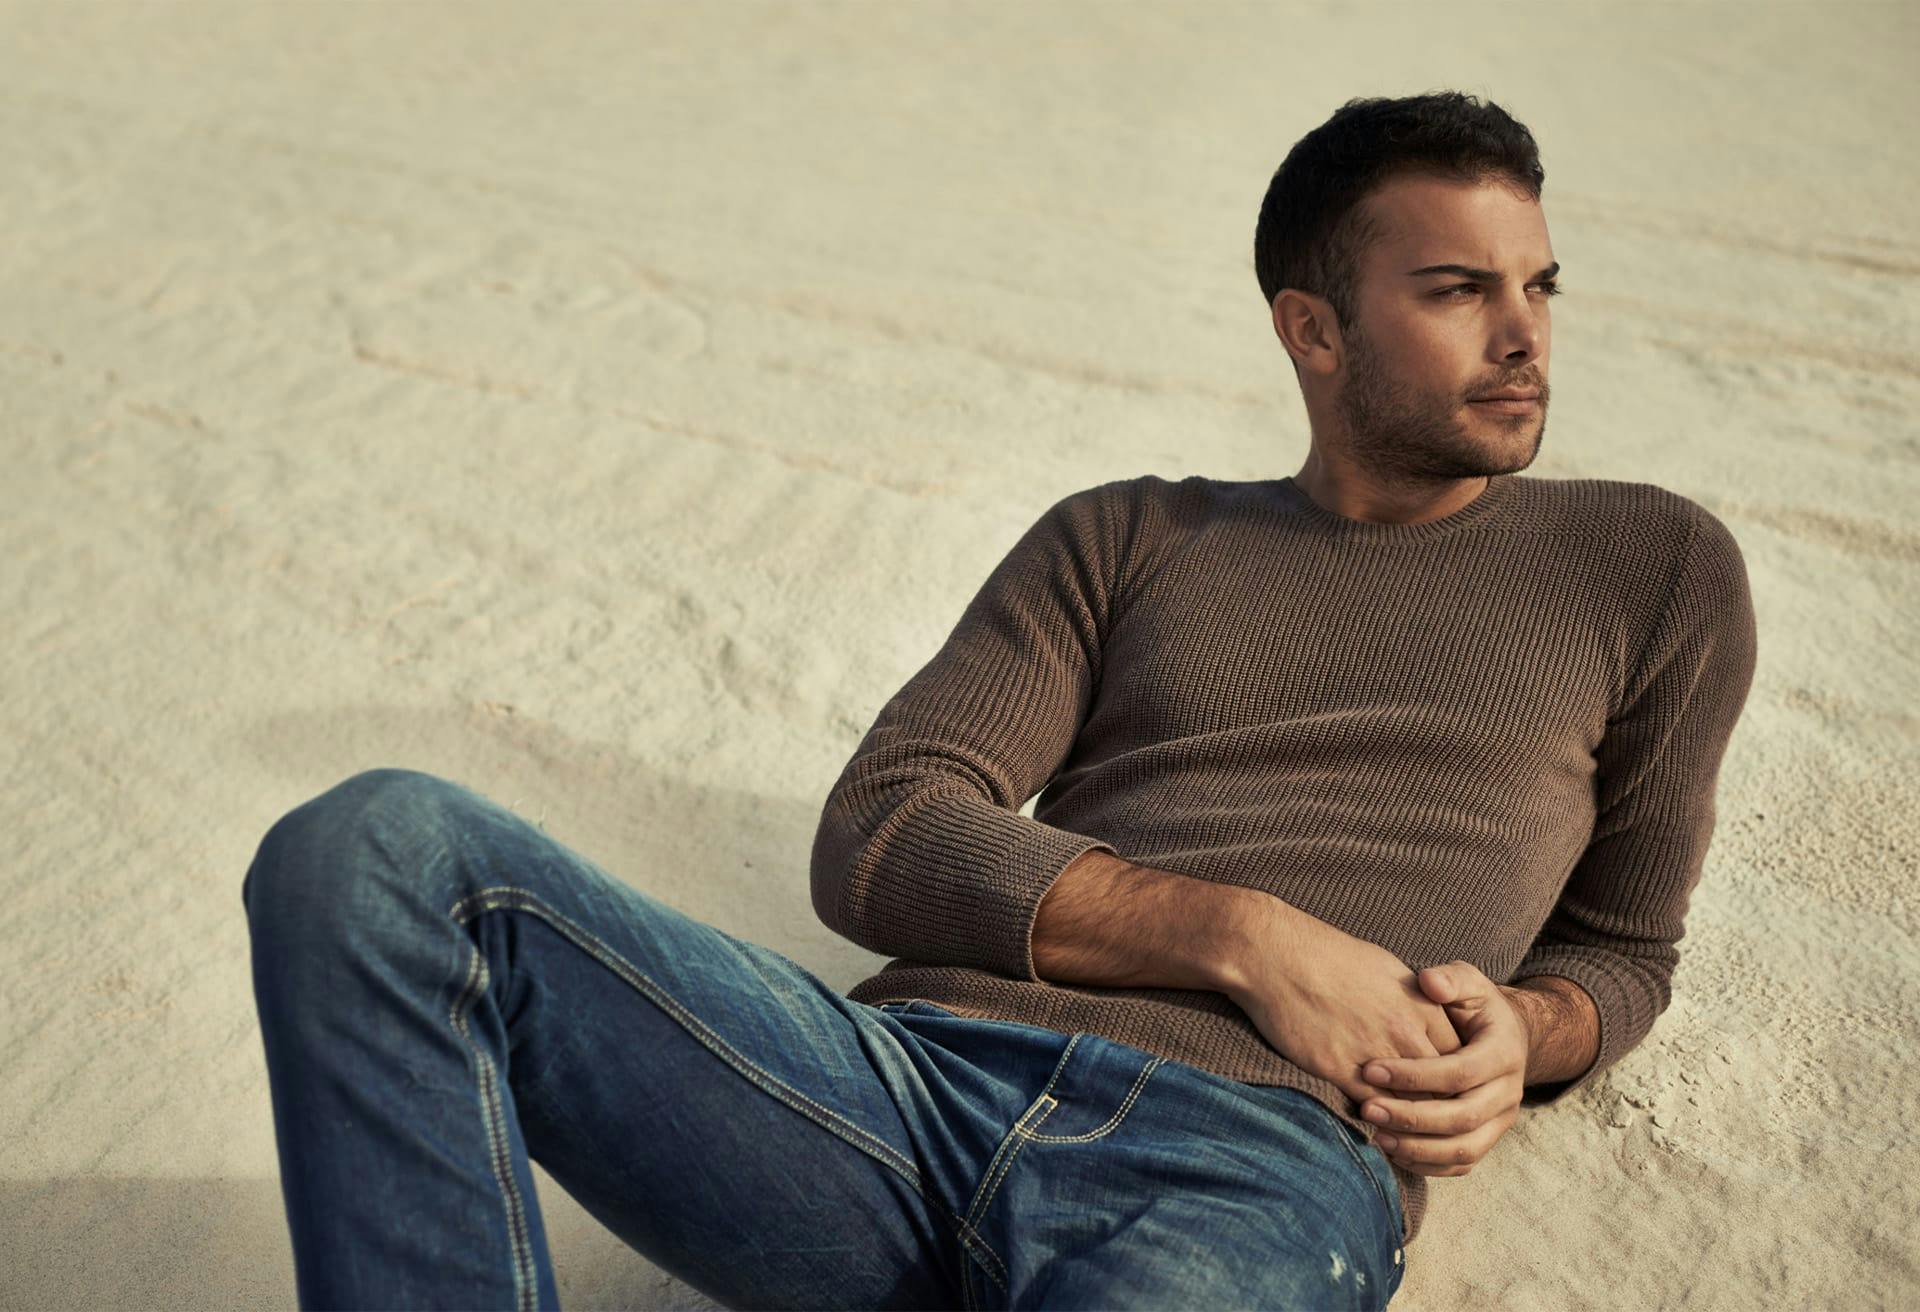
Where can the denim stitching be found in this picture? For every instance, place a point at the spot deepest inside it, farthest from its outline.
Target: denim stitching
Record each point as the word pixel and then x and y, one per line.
pixel 1343 1134
pixel 1139 1081
pixel 1002 1166
pixel 970 1238
pixel 772 1083
pixel 498 1151
pixel 522 900
pixel 1020 1132
pixel 1009 1147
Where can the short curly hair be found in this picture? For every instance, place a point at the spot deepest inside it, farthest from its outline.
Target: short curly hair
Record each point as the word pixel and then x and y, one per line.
pixel 1313 228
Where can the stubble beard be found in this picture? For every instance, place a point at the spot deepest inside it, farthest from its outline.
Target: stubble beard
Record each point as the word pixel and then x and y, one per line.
pixel 1407 439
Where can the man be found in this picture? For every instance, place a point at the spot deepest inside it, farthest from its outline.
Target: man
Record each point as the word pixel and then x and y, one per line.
pixel 1383 786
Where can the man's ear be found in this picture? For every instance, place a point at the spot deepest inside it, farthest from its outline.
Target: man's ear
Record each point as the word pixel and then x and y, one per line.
pixel 1304 323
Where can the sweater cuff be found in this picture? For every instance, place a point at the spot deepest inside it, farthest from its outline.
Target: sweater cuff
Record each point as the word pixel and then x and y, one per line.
pixel 965 879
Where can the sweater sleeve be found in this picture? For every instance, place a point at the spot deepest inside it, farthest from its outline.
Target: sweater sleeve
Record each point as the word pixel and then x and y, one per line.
pixel 1615 927
pixel 921 851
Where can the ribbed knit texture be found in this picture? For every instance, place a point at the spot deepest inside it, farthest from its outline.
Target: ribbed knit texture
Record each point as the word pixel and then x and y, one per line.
pixel 1494 736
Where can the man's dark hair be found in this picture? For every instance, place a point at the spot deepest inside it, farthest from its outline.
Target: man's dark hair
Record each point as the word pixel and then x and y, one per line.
pixel 1313 227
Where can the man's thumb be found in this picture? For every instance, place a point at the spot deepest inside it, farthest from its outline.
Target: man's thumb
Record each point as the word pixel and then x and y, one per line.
pixel 1438 983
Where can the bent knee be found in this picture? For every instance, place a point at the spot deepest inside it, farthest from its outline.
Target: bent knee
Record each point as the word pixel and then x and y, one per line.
pixel 387 808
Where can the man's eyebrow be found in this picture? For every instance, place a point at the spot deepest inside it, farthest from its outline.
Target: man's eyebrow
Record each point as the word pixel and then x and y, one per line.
pixel 1480 275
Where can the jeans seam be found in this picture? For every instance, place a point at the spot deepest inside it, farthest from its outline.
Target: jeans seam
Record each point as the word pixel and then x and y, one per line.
pixel 499 1152
pixel 1003 1157
pixel 506 897
pixel 1343 1134
pixel 997 1172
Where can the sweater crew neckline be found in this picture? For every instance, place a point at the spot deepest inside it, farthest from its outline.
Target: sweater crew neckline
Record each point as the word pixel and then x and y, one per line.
pixel 1332 523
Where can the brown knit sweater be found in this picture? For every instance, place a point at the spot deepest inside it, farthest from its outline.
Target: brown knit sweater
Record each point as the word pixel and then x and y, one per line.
pixel 1494 736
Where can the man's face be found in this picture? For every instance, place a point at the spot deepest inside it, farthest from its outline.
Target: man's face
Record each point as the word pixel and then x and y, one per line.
pixel 1425 345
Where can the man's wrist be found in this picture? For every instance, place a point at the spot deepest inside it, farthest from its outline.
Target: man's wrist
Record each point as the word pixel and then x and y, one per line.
pixel 1246 927
pixel 1527 1004
pixel 1563 1027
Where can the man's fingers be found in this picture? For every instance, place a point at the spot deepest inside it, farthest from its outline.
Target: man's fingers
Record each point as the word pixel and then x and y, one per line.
pixel 1453 1149
pixel 1427 1156
pixel 1455 1072
pixel 1409 1116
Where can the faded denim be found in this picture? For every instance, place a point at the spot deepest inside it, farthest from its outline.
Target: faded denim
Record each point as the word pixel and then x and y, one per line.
pixel 446 992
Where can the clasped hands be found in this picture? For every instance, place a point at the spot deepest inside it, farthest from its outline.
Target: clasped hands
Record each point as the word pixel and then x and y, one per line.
pixel 1474 1091
pixel 1345 1009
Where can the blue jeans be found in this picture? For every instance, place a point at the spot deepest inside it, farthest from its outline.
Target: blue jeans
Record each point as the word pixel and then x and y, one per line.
pixel 446 993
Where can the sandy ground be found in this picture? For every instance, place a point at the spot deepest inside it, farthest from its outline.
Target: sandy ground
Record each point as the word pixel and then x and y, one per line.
pixel 611 407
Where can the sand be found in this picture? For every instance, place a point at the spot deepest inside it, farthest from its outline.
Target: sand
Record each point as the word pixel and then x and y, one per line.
pixel 610 407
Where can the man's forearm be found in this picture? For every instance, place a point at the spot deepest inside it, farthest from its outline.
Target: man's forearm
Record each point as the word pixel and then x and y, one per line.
pixel 1108 921
pixel 1563 1023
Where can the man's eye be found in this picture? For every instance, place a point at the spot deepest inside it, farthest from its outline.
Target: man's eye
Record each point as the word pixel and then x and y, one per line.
pixel 1549 288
